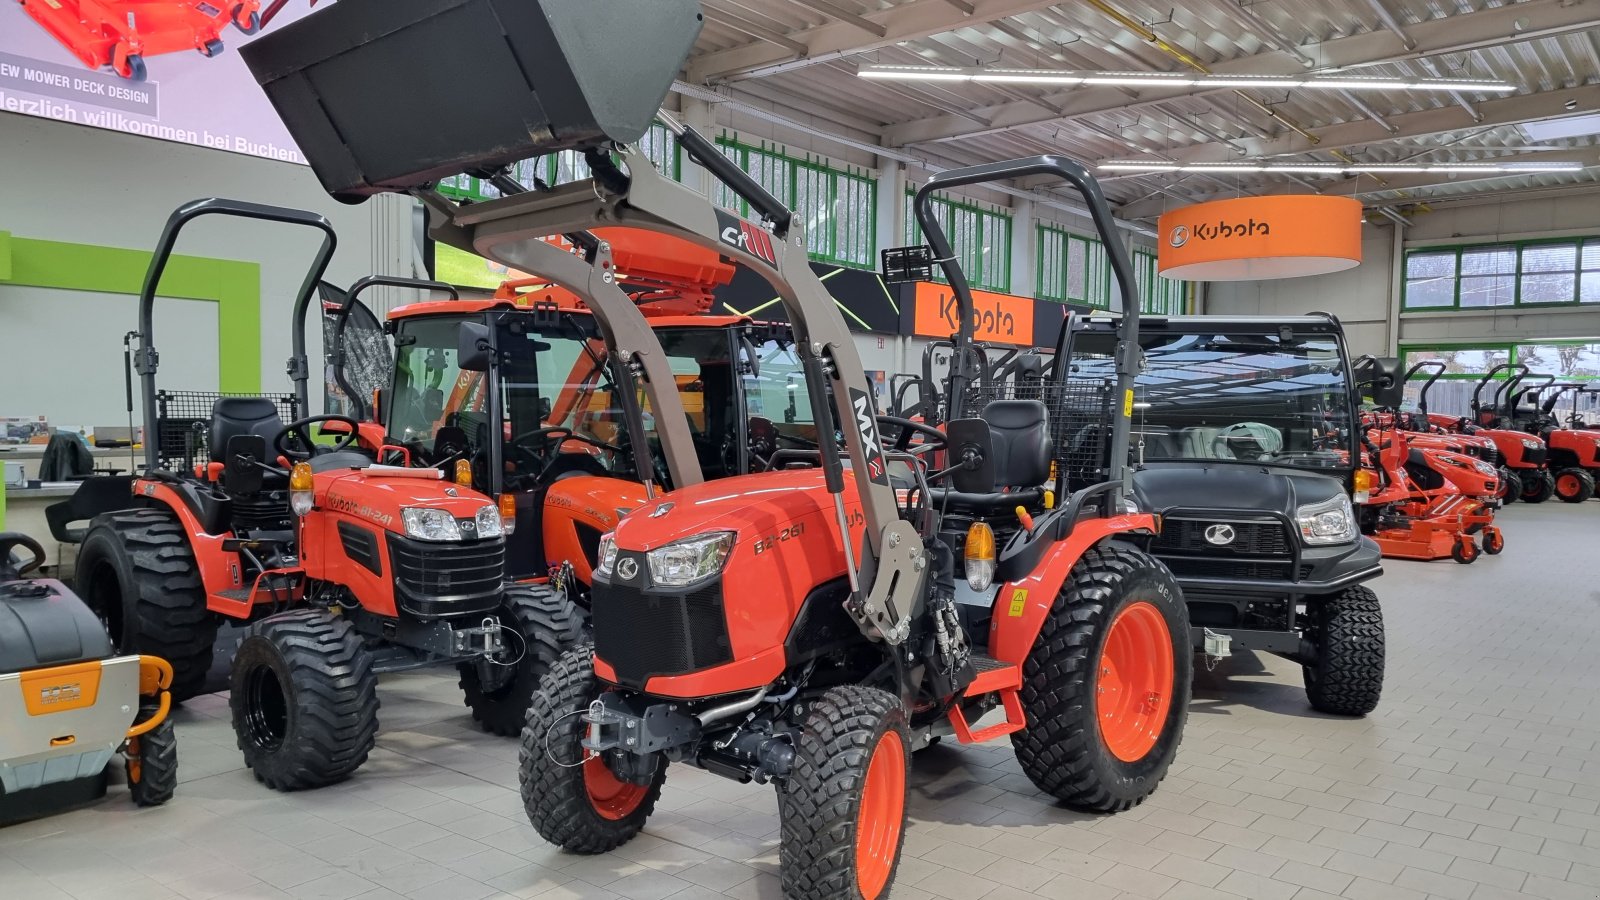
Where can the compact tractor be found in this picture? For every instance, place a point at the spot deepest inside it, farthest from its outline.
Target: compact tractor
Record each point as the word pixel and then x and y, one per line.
pixel 1424 433
pixel 1574 451
pixel 1524 455
pixel 802 626
pixel 342 567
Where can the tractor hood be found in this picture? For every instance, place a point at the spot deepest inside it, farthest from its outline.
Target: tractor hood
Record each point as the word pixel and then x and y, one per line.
pixel 1166 486
pixel 756 507
pixel 379 498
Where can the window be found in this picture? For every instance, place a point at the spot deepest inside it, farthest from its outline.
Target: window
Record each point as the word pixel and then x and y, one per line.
pixel 1492 276
pixel 1465 365
pixel 1158 296
pixel 838 207
pixel 1072 268
pixel 980 237
pixel 658 144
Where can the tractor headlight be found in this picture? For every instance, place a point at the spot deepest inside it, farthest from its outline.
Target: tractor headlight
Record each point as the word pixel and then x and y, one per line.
pixel 688 561
pixel 1332 521
pixel 1531 444
pixel 430 524
pixel 606 559
pixel 489 522
pixel 1484 468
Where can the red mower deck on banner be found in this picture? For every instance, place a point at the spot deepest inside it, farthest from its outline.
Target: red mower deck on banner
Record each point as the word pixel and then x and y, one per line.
pixel 121 34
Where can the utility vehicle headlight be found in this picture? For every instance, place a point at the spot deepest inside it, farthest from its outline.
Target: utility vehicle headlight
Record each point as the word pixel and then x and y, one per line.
pixel 1332 521
pixel 489 522
pixel 430 524
pixel 607 557
pixel 688 561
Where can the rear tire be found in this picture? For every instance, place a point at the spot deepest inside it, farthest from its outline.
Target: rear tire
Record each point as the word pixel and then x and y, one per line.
pixel 138 573
pixel 578 807
pixel 304 699
pixel 843 807
pixel 151 765
pixel 1063 748
pixel 1347 632
pixel 1574 485
pixel 547 623
pixel 1538 487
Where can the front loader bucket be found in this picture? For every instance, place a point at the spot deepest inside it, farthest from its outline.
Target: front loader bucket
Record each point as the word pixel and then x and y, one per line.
pixel 386 95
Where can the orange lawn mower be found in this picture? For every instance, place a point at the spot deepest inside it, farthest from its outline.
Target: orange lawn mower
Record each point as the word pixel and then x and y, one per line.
pixel 1425 504
pixel 1422 432
pixel 1523 455
pixel 122 34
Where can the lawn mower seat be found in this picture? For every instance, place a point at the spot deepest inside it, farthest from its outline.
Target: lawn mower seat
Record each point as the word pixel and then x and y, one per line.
pixel 234 416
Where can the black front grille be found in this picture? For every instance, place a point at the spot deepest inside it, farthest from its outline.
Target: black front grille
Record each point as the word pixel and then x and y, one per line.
pixel 643 632
pixel 433 580
pixel 1250 538
pixel 1534 456
pixel 1229 568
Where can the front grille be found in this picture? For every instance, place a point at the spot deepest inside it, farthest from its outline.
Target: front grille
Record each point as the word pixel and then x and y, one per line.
pixel 432 580
pixel 1534 456
pixel 643 632
pixel 1229 568
pixel 1250 538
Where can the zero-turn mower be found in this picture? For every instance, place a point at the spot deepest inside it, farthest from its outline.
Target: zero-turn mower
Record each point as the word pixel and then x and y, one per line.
pixel 1424 433
pixel 1425 503
pixel 800 626
pixel 70 702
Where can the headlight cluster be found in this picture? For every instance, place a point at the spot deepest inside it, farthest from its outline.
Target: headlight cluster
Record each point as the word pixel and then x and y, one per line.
pixel 1484 468
pixel 688 561
pixel 1531 444
pixel 439 525
pixel 1331 521
pixel 607 556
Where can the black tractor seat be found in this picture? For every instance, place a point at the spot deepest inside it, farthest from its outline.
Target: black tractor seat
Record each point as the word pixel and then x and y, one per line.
pixel 1020 449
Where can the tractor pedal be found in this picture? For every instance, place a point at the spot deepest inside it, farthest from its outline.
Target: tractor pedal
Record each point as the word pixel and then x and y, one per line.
pixel 993 677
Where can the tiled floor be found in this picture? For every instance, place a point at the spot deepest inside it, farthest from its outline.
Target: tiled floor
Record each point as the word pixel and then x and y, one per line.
pixel 1478 779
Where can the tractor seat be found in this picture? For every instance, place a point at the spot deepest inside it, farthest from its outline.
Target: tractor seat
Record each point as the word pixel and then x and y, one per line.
pixel 235 416
pixel 1021 449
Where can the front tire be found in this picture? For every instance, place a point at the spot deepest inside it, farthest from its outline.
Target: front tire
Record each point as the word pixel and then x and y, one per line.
pixel 547 623
pixel 1347 631
pixel 1574 485
pixel 573 801
pixel 304 699
pixel 1511 485
pixel 1538 487
pixel 1117 635
pixel 151 764
pixel 843 807
pixel 138 573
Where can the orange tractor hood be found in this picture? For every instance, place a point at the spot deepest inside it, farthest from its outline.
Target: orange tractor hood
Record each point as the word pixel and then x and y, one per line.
pixel 379 498
pixel 755 506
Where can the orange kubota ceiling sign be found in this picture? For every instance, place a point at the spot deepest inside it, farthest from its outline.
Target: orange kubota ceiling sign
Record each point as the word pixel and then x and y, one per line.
pixel 1253 238
pixel 996 318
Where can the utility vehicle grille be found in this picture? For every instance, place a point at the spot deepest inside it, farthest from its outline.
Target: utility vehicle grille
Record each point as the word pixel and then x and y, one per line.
pixel 1229 568
pixel 1250 538
pixel 432 580
pixel 647 632
pixel 184 417
pixel 1079 419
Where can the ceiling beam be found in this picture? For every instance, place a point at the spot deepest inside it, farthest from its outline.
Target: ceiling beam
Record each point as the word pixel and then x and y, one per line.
pixel 909 21
pixel 1454 34
pixel 828 8
pixel 754 29
pixel 1367 185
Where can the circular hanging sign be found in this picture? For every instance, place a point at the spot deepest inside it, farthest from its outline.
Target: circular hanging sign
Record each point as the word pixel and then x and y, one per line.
pixel 1254 238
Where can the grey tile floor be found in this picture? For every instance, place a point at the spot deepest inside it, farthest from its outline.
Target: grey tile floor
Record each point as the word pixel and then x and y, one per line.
pixel 1477 779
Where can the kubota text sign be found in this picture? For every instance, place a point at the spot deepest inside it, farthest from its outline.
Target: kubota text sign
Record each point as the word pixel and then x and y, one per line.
pixel 1260 237
pixel 996 318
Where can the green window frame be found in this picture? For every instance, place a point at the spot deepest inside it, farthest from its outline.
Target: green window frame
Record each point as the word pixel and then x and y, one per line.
pixel 838 206
pixel 1546 272
pixel 1573 360
pixel 979 235
pixel 1071 268
pixel 560 168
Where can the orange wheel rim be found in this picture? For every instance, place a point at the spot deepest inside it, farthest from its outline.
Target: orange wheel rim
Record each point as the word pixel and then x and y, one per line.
pixel 1568 485
pixel 882 814
pixel 611 797
pixel 1133 688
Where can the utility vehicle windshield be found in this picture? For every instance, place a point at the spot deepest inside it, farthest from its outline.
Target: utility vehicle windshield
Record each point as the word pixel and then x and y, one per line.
pixel 1247 398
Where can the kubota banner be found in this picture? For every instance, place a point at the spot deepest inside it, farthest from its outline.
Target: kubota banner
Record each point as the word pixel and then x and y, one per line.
pixel 1251 238
pixel 996 318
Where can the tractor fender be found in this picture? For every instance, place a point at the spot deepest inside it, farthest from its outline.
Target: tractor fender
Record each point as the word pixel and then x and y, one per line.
pixel 219 568
pixel 1021 606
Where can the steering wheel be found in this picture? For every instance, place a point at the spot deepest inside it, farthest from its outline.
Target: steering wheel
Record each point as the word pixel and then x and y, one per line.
pixel 10 540
pixel 305 448
pixel 937 440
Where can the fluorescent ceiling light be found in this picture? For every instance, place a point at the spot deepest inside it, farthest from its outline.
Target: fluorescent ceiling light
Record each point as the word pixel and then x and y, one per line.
pixel 1555 129
pixel 1177 79
pixel 1332 169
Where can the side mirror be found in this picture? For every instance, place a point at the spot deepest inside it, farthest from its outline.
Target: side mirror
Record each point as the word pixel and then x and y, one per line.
pixel 246 453
pixel 472 347
pixel 972 452
pixel 1379 377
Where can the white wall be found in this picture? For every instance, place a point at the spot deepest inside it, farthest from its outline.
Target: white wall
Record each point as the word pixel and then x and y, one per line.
pixel 75 184
pixel 1364 297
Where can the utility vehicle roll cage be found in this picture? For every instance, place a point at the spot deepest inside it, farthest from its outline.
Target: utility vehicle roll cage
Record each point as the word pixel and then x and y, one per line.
pixel 890 576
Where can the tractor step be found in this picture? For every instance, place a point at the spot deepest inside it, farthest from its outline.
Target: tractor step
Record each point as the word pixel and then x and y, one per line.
pixel 993 677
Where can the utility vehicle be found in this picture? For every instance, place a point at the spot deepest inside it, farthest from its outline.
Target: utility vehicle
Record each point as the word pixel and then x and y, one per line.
pixel 342 567
pixel 799 626
pixel 1244 443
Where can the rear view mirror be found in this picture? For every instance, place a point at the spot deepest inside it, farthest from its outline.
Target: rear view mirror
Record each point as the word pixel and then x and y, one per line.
pixel 972 454
pixel 1380 378
pixel 473 347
